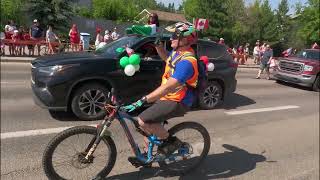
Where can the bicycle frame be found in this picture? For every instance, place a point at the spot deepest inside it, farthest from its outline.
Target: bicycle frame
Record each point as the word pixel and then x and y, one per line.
pixel 122 117
pixel 153 140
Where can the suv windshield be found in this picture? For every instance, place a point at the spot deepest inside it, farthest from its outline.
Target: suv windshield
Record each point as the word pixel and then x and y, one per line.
pixel 110 49
pixel 308 54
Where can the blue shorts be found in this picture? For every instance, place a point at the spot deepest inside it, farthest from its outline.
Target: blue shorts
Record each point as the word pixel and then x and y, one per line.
pixel 264 66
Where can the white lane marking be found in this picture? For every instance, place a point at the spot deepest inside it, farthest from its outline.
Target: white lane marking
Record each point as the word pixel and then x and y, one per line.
pixel 35 132
pixel 261 110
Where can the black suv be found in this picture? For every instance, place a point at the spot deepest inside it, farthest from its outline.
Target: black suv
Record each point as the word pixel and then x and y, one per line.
pixel 80 82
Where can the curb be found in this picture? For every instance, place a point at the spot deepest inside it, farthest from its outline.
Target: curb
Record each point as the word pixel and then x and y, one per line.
pixel 16 61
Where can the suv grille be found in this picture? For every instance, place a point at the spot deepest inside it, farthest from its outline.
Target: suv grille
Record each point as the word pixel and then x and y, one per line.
pixel 294 67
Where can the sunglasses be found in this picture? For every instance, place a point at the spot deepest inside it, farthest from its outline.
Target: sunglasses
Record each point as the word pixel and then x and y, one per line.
pixel 175 36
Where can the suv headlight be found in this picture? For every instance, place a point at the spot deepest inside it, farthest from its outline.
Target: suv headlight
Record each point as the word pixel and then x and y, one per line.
pixel 307 68
pixel 51 70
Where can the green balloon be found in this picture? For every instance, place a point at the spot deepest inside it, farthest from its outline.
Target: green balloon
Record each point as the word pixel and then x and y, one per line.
pixel 134 59
pixel 124 61
pixel 120 50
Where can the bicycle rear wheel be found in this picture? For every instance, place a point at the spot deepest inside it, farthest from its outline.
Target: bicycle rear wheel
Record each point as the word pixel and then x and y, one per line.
pixel 195 148
pixel 63 158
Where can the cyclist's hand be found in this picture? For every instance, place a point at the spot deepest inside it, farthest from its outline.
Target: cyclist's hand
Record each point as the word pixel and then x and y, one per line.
pixel 136 105
pixel 157 41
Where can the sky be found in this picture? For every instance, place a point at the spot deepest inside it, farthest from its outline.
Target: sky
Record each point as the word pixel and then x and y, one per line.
pixel 274 3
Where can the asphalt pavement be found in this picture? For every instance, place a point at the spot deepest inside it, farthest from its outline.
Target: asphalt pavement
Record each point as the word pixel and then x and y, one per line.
pixel 265 131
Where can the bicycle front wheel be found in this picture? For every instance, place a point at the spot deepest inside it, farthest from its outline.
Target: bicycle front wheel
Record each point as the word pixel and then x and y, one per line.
pixel 63 158
pixel 195 147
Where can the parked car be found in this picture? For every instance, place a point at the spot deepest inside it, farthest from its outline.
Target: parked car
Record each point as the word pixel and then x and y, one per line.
pixel 302 69
pixel 80 82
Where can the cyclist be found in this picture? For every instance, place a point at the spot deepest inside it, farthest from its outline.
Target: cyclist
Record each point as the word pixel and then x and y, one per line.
pixel 175 94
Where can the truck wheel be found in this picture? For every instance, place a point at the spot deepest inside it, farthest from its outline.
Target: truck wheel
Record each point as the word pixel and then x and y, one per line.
pixel 316 84
pixel 88 101
pixel 211 96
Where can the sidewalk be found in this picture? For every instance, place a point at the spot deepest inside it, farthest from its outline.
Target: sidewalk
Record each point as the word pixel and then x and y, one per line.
pixel 249 63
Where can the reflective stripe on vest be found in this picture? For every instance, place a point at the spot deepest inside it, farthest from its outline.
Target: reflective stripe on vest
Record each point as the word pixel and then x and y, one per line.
pixel 180 91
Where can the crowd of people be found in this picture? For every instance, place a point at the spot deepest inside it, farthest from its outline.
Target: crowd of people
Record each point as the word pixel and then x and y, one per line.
pixel 20 38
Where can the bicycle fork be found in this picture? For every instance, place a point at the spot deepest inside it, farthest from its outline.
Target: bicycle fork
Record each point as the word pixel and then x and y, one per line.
pixel 96 140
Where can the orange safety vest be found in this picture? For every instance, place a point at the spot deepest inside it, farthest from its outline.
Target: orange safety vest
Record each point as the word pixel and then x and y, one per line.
pixel 180 91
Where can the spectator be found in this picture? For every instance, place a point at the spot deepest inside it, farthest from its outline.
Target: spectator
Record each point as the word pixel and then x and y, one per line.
pixel 8 29
pixel 246 52
pixel 107 36
pixel 99 37
pixel 2 50
pixel 240 52
pixel 221 41
pixel 36 33
pixel 287 52
pixel 74 38
pixel 256 54
pixel 265 61
pixel 16 39
pixel 20 45
pixel 315 46
pixel 114 34
pixel 51 38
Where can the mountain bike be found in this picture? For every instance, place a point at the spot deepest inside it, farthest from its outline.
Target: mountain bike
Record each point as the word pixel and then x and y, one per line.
pixel 86 152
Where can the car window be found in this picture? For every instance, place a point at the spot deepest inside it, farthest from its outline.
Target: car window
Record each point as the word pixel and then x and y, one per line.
pixel 126 41
pixel 308 54
pixel 212 50
pixel 147 50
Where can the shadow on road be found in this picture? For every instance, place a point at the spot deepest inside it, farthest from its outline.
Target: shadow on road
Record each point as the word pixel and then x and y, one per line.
pixel 282 83
pixel 228 164
pixel 235 100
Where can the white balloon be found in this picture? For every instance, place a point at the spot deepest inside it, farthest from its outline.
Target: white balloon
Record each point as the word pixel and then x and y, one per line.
pixel 129 70
pixel 210 67
pixel 136 67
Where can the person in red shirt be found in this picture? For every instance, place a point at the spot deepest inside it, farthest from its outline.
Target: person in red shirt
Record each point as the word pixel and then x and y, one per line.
pixel 240 52
pixel 74 37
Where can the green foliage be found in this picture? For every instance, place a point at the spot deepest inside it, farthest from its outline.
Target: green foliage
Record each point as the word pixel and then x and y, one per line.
pixel 12 9
pixel 309 21
pixel 55 12
pixel 83 12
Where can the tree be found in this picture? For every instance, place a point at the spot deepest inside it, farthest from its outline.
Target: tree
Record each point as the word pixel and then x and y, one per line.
pixel 309 23
pixel 213 10
pixel 12 10
pixel 55 12
pixel 283 20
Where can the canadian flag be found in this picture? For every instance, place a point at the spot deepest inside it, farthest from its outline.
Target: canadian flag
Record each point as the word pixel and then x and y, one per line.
pixel 201 23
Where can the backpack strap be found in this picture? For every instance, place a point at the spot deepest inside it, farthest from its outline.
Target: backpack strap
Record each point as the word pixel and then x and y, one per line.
pixel 173 63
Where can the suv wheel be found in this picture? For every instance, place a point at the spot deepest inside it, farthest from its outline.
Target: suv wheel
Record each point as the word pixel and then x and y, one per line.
pixel 88 101
pixel 211 96
pixel 316 84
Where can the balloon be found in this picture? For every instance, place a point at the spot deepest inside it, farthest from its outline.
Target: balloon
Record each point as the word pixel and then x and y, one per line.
pixel 210 67
pixel 129 70
pixel 136 67
pixel 134 59
pixel 120 50
pixel 124 61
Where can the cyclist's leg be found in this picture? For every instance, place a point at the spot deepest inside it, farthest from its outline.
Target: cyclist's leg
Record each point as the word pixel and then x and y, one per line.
pixel 150 120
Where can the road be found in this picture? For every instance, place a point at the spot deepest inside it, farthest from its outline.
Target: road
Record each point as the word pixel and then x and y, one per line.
pixel 263 131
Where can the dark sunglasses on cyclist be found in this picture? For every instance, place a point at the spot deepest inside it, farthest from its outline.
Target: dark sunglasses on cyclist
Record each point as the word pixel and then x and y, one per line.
pixel 175 36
